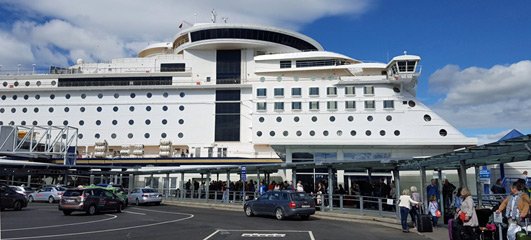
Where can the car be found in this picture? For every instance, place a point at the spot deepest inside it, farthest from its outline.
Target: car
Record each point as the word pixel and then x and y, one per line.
pixel 114 188
pixel 90 200
pixel 145 195
pixel 281 204
pixel 9 198
pixel 26 191
pixel 49 193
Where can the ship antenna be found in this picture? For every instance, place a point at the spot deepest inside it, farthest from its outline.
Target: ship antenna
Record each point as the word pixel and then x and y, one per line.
pixel 213 16
pixel 405 52
pixel 225 19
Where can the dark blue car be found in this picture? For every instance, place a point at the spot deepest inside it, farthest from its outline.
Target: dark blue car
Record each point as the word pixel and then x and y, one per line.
pixel 281 204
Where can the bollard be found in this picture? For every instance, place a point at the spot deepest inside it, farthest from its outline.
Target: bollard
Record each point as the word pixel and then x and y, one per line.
pixel 361 204
pixel 341 201
pixel 234 196
pixel 216 196
pixel 322 203
pixel 380 206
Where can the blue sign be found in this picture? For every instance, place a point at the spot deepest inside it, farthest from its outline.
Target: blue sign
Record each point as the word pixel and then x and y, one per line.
pixel 243 175
pixel 70 156
pixel 484 173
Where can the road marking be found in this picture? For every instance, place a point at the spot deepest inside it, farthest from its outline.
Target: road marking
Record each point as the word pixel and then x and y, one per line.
pixel 62 225
pixel 311 235
pixel 260 233
pixel 108 230
pixel 211 235
pixel 134 212
pixel 263 235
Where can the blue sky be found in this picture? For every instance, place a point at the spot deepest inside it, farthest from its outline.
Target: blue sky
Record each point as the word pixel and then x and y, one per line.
pixel 476 55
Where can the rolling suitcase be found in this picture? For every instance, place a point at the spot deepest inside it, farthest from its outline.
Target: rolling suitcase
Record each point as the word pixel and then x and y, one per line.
pixel 524 234
pixel 424 222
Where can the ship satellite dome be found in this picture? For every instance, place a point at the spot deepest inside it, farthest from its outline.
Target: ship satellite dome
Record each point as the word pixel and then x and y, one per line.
pixel 79 61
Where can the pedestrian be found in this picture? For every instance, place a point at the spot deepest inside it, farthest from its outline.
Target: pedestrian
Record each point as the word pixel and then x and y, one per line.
pixel 516 207
pixel 433 189
pixel 341 190
pixel 448 190
pixel 467 214
pixel 433 207
pixel 404 202
pixel 300 188
pixel 498 187
pixel 414 210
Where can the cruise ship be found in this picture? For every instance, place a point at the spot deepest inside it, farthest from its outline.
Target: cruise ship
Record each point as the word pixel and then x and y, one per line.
pixel 223 91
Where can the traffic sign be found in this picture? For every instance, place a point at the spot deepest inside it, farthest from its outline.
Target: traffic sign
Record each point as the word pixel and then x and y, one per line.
pixel 243 175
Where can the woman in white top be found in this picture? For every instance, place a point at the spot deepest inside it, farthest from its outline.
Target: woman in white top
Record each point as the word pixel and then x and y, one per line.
pixel 404 203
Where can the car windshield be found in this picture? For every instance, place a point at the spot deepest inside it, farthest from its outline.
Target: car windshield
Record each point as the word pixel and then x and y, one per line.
pixel 73 193
pixel 300 196
pixel 61 189
pixel 148 190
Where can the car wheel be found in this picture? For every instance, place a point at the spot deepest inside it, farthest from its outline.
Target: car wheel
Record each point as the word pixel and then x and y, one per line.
pixel 17 206
pixel 91 210
pixel 305 217
pixel 30 199
pixel 51 200
pixel 67 213
pixel 249 211
pixel 119 208
pixel 137 202
pixel 279 214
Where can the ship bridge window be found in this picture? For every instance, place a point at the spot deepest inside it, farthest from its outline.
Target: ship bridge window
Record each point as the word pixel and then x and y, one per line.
pixel 318 63
pixel 406 66
pixel 172 67
pixel 285 64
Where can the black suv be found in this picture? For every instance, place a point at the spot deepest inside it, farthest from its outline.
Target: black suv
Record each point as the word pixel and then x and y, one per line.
pixel 90 200
pixel 11 199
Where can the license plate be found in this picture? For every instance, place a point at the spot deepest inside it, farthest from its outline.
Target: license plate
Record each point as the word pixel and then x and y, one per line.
pixel 305 206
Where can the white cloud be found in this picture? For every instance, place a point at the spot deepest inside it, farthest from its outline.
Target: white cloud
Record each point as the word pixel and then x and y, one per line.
pixel 496 97
pixel 101 29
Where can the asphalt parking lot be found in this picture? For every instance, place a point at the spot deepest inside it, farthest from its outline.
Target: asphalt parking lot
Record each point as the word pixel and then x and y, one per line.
pixel 44 221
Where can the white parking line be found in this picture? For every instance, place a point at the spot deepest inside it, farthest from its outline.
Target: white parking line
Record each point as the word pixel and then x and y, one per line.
pixel 211 235
pixel 134 212
pixel 61 225
pixel 108 230
pixel 261 233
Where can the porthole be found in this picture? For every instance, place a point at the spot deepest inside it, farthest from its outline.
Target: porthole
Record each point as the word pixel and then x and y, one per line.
pixel 131 122
pixel 115 108
pixel 114 122
pixel 27 83
pixel 15 97
pixel 113 136
pixel 272 133
pixel 368 132
pixel 164 121
pixel 164 108
pixel 15 83
pixel 181 94
pixel 279 78
pixel 82 109
pixel 339 133
pixel 296 119
pixel 116 95
pixel 50 109
pixel 163 135
pixel 350 118
pixel 24 110
pixel 1 123
pixel 325 133
pixel 39 83
pixel 99 109
pixel 299 133
pixel 67 96
pixel 148 121
pixel 67 109
pixel 3 97
pixel 36 110
pixel 50 123
pixel 148 108
pixel 332 118
pixel 54 83
pixel 396 90
pixel 279 119
pixel 312 133
pixel 100 96
pixel 132 108
pixel 4 84
pixel 165 94
pixel 65 122
pixel 146 135
pixel 149 95
pixel 81 122
pixel 285 133
pixel 443 132
pixel 23 123
pixel 181 121
pixel 427 118
pixel 2 110
pixel 314 119
pixel 259 133
pixel 26 97
pixel 13 123
pixel 370 118
pixel 181 108
pixel 37 97
pixel 261 119
pixel 411 103
pixel 180 135
pixel 83 96
pixel 98 122
pixel 80 136
pixel 130 135
pixel 382 133
pixel 133 95
pixel 397 133
pixel 262 79
pixel 13 110
pixel 35 123
pixel 97 136
pixel 52 96
pixel 388 118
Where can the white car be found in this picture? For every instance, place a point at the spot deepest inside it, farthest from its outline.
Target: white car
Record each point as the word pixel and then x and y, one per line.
pixel 50 194
pixel 144 195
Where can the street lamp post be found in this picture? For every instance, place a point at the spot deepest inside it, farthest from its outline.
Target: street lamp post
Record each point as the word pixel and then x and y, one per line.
pixel 33 69
pixel 18 68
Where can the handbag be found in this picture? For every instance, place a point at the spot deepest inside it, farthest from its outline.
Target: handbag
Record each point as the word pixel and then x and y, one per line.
pixel 438 213
pixel 462 216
